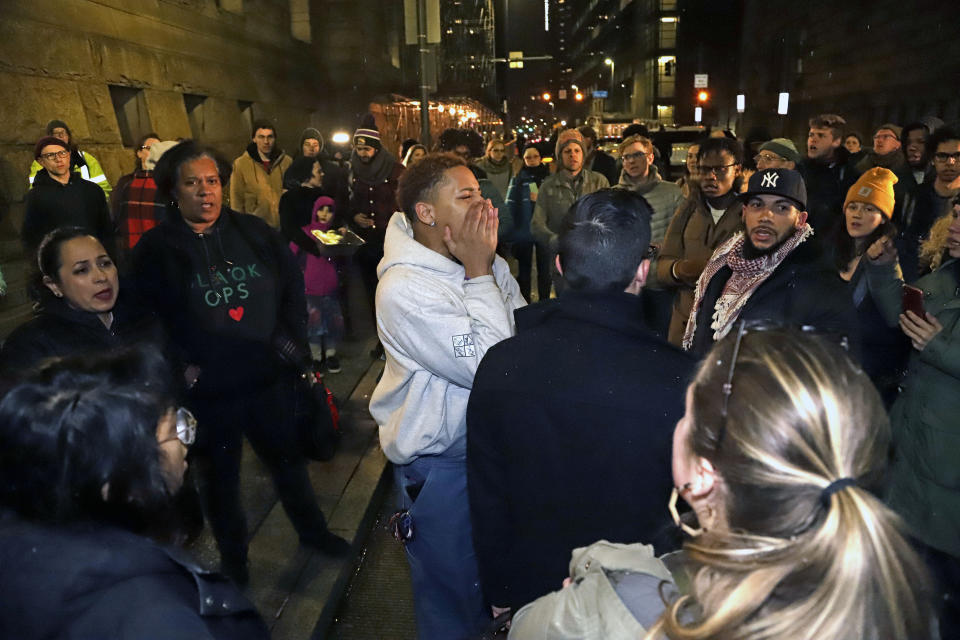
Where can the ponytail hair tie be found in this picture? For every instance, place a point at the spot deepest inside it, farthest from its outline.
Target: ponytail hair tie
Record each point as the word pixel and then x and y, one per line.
pixel 837 485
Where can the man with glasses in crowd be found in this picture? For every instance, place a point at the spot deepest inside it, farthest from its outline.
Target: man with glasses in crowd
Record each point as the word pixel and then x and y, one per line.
pixel 933 198
pixel 640 175
pixel 827 173
pixel 80 161
pixel 60 197
pixel 779 153
pixel 770 271
pixel 702 223
pixel 888 153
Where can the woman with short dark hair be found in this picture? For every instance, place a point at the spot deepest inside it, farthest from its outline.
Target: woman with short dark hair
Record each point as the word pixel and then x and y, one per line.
pixel 231 297
pixel 90 457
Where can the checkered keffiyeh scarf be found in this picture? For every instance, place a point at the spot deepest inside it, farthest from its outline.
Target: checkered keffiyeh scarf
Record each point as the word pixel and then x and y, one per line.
pixel 747 276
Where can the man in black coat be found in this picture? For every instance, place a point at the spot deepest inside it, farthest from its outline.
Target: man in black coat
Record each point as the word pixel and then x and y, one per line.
pixel 61 198
pixel 827 173
pixel 569 423
pixel 771 272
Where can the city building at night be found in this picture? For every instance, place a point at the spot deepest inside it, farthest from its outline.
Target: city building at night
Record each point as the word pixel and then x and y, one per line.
pixel 466 52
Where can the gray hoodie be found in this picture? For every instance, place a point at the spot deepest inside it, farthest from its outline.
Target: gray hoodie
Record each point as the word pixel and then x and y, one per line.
pixel 435 328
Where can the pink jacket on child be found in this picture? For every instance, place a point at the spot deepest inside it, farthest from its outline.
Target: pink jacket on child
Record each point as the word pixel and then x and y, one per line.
pixel 319 272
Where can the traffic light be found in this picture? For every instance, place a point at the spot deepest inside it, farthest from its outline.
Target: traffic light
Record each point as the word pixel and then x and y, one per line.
pixel 703 96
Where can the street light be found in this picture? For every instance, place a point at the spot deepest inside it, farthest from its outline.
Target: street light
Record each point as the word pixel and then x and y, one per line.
pixel 546 96
pixel 609 62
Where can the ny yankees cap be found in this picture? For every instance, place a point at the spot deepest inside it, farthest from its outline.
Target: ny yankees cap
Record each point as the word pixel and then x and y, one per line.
pixel 779 182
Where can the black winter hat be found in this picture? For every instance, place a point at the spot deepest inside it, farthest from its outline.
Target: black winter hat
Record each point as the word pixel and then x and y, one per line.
pixel 56 124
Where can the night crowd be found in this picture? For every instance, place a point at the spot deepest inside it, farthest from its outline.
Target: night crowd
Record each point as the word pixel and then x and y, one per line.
pixel 616 406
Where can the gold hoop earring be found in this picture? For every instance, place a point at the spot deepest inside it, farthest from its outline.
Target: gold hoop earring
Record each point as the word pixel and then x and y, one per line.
pixel 672 507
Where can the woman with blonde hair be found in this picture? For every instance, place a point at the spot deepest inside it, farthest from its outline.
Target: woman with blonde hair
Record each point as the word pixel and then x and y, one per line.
pixel 782 441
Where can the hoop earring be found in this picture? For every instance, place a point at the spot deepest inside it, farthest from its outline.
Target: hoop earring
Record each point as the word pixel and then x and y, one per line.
pixel 672 507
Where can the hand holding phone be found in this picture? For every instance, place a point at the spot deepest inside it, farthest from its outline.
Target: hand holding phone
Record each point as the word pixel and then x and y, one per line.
pixel 913 300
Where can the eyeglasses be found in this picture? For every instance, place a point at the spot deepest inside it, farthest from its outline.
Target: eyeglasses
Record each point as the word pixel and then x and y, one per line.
pixel 633 156
pixel 50 157
pixel 186 427
pixel 145 147
pixel 767 157
pixel 884 136
pixel 716 171
pixel 946 157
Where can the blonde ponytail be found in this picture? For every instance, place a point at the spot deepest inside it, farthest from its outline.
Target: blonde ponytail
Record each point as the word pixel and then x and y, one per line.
pixel 809 551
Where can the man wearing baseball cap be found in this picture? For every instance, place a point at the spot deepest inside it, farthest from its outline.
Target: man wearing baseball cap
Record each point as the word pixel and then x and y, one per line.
pixel 770 271
pixel 60 197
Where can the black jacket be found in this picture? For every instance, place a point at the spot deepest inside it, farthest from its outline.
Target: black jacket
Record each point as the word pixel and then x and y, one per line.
pixel 569 431
pixel 827 186
pixel 928 208
pixel 804 290
pixel 102 582
pixel 59 330
pixel 163 272
pixel 79 203
pixel 605 164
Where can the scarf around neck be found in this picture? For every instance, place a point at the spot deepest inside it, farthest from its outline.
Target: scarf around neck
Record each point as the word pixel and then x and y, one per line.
pixel 746 277
pixel 377 170
pixel 640 185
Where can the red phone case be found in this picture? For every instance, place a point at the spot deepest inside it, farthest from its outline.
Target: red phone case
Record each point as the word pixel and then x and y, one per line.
pixel 913 300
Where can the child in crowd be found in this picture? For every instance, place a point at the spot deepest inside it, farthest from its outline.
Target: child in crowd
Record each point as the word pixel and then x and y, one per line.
pixel 324 318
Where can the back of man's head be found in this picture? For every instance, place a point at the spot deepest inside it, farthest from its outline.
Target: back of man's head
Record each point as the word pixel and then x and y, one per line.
pixel 604 238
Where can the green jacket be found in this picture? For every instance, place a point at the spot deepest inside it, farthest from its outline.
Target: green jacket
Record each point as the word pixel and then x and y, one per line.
pixel 592 607
pixel 557 193
pixel 90 170
pixel 925 476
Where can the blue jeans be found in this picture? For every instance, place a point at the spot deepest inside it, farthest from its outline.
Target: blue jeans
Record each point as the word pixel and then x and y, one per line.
pixel 446 583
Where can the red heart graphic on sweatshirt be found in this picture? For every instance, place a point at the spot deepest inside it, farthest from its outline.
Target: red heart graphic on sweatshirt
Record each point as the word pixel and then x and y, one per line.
pixel 236 314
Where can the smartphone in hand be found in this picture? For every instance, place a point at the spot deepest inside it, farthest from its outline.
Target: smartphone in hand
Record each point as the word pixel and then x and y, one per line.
pixel 913 300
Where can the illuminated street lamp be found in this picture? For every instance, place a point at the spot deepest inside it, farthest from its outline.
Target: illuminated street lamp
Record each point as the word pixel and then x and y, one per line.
pixel 341 137
pixel 546 96
pixel 610 63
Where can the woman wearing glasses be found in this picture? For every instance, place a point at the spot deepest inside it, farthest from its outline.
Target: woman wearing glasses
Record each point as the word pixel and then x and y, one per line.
pixel 90 457
pixel 782 441
pixel 80 309
pixel 704 221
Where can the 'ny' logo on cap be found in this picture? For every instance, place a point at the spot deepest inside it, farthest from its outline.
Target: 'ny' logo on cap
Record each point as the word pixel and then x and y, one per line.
pixel 769 180
pixel 864 191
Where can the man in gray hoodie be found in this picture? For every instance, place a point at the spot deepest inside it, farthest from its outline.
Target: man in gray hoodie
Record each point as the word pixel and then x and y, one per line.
pixel 443 299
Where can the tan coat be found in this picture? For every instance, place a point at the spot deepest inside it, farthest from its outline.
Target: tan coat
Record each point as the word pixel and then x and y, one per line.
pixel 255 190
pixel 692 236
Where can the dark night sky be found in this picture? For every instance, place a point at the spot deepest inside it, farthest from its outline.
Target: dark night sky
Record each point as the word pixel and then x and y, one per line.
pixel 524 32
